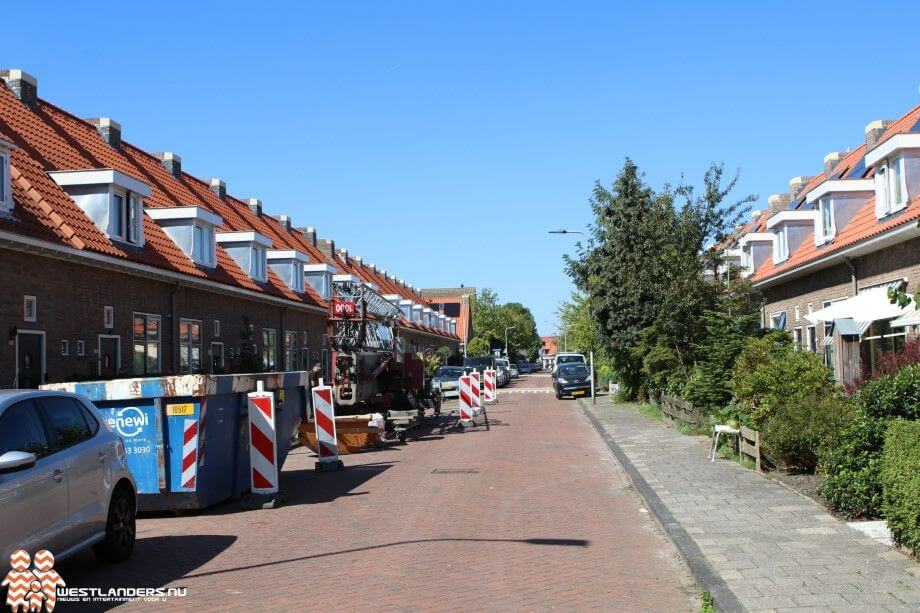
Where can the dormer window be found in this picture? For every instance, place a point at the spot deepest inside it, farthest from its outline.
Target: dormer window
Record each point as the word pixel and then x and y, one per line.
pixel 112 199
pixel 248 250
pixel 192 229
pixel 289 266
pixel 781 245
pixel 319 277
pixel 890 187
pixel 6 190
pixel 826 215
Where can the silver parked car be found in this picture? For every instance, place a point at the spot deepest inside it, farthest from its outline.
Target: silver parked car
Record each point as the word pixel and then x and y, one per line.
pixel 64 478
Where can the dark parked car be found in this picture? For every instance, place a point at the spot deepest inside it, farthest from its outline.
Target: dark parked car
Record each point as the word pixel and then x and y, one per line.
pixel 572 379
pixel 525 368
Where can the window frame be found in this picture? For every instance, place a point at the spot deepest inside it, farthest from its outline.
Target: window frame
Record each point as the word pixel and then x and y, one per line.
pixel 204 249
pixel 893 182
pixel 81 348
pixel 65 347
pixel 776 317
pixel 26 300
pixel 269 365
pixel 811 338
pixel 189 342
pixel 223 362
pixel 826 219
pixel 258 263
pixel 798 338
pixel 781 244
pixel 108 317
pixel 146 342
pixel 290 351
pixel 6 182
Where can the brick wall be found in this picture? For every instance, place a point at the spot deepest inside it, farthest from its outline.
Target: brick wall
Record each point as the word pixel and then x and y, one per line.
pixel 902 260
pixel 71 300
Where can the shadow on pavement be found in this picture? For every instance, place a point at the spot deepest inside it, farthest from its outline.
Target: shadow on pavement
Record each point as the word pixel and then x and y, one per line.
pixel 530 541
pixel 156 562
pixel 306 486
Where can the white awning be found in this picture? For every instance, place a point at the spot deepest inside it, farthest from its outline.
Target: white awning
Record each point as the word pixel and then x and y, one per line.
pixel 849 327
pixel 911 317
pixel 867 306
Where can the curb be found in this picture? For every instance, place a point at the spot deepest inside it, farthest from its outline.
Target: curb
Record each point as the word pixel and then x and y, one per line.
pixel 722 597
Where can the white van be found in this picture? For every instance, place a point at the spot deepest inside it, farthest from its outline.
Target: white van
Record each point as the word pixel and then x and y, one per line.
pixel 567 358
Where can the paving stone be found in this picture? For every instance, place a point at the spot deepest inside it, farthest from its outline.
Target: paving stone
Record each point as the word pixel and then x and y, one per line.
pixel 772 548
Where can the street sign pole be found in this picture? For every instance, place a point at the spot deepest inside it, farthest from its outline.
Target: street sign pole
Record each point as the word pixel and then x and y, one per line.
pixel 593 397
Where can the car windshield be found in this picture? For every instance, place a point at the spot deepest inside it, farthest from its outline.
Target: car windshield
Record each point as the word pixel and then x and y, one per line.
pixel 568 359
pixel 574 370
pixel 446 372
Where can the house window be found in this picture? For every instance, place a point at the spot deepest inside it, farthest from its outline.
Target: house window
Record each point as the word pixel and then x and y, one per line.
pixel 290 351
pixel 29 308
pixel 269 340
pixel 257 263
pixel 146 344
pixel 132 224
pixel 778 321
pixel 781 244
pixel 6 199
pixel 118 216
pixel 217 358
pixel 81 349
pixel 890 187
pixel 65 347
pixel 828 226
pixel 216 328
pixel 189 345
pixel 108 317
pixel 203 250
pixel 880 338
pixel 811 338
pixel 797 338
pixel 126 218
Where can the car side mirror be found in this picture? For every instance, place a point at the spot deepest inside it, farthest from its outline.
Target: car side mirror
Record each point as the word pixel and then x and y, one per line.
pixel 16 460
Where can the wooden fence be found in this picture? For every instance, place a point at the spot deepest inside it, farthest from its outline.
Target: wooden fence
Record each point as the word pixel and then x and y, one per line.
pixel 749 445
pixel 675 408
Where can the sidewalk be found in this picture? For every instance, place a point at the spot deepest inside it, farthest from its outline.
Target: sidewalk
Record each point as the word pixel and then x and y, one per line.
pixel 751 542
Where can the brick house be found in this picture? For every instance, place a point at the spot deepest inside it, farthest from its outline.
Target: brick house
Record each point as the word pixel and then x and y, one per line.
pixel 115 262
pixel 826 253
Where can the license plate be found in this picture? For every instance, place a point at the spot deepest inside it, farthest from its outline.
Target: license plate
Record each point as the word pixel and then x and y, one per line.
pixel 579 393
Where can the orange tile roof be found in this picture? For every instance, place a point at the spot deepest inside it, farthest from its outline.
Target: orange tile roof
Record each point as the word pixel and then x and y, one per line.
pixel 862 226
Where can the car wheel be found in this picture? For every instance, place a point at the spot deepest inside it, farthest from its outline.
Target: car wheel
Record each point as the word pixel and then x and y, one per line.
pixel 120 529
pixel 558 395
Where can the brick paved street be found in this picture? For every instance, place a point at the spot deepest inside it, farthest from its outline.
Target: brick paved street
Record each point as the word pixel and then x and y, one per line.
pixel 772 548
pixel 539 516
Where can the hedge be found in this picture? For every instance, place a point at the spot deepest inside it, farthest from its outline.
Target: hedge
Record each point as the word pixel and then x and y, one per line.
pixel 901 482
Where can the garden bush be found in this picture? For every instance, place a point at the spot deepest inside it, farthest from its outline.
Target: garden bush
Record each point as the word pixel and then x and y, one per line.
pixel 896 395
pixel 852 483
pixel 801 431
pixel 901 482
pixel 768 373
pixel 889 363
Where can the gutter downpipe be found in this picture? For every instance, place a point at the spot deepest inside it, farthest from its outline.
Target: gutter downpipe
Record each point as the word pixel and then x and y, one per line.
pixel 174 327
pixel 853 280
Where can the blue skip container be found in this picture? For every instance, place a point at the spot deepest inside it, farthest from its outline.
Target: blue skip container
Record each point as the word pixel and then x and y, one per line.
pixel 186 436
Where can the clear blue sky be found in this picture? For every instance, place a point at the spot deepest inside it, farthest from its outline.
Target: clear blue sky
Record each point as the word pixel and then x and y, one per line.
pixel 441 141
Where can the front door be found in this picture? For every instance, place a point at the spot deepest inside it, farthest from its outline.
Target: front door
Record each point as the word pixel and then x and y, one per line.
pixel 30 359
pixel 109 356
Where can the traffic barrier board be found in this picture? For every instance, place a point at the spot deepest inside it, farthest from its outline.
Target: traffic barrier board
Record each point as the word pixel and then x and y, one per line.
pixel 488 386
pixel 263 455
pixel 324 418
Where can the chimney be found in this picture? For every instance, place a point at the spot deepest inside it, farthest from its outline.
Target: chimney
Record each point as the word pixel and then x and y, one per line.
pixel 310 233
pixel 23 85
pixel 344 253
pixel 285 222
pixel 372 267
pixel 172 162
pixel 755 215
pixel 874 131
pixel 219 188
pixel 255 205
pixel 796 184
pixel 327 246
pixel 832 160
pixel 109 130
pixel 778 202
pixel 359 260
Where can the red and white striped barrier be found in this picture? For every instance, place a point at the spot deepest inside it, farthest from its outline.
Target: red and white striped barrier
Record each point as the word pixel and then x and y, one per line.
pixel 465 397
pixel 488 386
pixel 477 399
pixel 327 446
pixel 189 453
pixel 263 455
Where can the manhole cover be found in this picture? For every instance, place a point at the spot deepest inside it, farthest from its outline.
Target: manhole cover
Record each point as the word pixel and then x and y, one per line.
pixel 455 471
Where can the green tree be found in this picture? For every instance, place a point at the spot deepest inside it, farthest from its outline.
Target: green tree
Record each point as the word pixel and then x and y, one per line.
pixel 477 347
pixel 490 319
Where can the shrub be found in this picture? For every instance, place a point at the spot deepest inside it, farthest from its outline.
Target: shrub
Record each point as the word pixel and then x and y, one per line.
pixel 801 430
pixel 768 373
pixel 901 482
pixel 889 363
pixel 852 484
pixel 896 395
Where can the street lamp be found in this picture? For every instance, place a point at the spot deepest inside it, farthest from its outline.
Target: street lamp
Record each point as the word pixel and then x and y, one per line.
pixel 506 342
pixel 564 231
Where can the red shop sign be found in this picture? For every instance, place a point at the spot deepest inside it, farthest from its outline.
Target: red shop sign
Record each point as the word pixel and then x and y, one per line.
pixel 343 308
